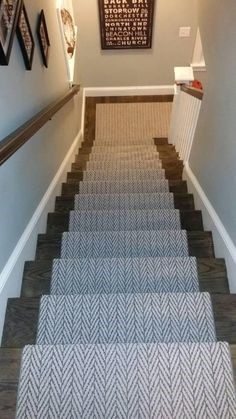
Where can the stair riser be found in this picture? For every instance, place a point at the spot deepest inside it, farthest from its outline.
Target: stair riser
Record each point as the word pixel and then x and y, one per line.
pixel 170 174
pixel 22 319
pixel 92 319
pixel 10 360
pixel 200 245
pixel 190 220
pixel 211 274
pixel 174 186
pixel 181 201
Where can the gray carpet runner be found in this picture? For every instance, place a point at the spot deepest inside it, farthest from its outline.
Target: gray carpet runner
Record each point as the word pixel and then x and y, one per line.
pixel 132 120
pixel 98 148
pixel 123 201
pixel 134 186
pixel 105 220
pixel 167 381
pixel 125 332
pixel 107 142
pixel 124 174
pixel 124 165
pixel 130 275
pixel 138 155
pixel 125 318
pixel 170 243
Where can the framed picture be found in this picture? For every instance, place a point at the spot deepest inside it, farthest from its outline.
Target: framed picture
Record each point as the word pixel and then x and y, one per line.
pixel 68 34
pixel 43 38
pixel 128 26
pixel 9 13
pixel 25 38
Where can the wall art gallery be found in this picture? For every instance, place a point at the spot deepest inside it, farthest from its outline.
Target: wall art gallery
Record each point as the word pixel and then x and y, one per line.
pixel 14 19
pixel 126 24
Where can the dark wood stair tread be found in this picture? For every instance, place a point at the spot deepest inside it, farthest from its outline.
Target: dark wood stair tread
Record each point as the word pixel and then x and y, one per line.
pixel 160 140
pixel 21 322
pixel 224 308
pixel 10 360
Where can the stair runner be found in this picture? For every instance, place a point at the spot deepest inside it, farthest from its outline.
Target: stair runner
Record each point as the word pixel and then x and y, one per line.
pixel 125 332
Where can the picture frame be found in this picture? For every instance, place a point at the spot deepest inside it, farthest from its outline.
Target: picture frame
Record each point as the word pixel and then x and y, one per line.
pixel 133 30
pixel 9 14
pixel 69 31
pixel 43 38
pixel 25 37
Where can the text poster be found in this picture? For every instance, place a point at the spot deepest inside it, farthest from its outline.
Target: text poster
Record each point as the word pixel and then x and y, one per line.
pixel 126 23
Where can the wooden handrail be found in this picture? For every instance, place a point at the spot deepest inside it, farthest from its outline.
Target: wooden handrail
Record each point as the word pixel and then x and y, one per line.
pixel 197 93
pixel 10 144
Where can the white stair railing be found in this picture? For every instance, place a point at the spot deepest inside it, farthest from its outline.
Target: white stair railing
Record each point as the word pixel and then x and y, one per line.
pixel 185 113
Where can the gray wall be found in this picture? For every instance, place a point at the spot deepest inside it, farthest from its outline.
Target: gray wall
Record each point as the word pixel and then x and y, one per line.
pixel 137 68
pixel 213 155
pixel 26 176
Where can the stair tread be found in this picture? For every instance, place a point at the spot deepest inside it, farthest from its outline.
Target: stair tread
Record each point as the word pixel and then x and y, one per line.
pixel 65 203
pixel 200 245
pixel 124 243
pixel 37 275
pixel 10 360
pixel 107 375
pixel 22 320
pixel 174 186
pixel 105 317
pixel 121 219
pixel 123 318
pixel 93 276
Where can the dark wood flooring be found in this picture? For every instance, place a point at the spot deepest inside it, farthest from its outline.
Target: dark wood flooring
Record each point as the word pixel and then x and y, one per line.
pixel 22 313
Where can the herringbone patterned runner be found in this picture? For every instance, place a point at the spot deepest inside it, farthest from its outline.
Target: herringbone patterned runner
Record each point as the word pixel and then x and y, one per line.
pixel 124 174
pixel 130 186
pixel 123 318
pixel 125 332
pixel 116 220
pixel 132 381
pixel 124 201
pixel 103 244
pixel 124 165
pixel 113 276
pixel 124 155
pixel 132 121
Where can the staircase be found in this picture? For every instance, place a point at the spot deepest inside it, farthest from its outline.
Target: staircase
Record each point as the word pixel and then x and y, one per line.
pixel 135 309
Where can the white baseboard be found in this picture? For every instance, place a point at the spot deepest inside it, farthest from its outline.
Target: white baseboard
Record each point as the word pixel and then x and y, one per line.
pixel 11 275
pixel 223 244
pixel 129 91
pixel 83 112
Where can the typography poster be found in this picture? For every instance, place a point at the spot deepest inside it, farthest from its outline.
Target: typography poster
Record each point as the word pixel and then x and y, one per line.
pixel 126 24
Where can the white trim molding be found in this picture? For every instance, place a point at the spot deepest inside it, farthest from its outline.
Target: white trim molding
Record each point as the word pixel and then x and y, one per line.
pixel 129 91
pixel 198 61
pixel 11 275
pixel 223 244
pixel 83 113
